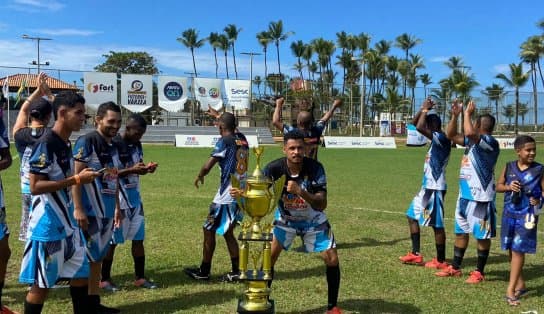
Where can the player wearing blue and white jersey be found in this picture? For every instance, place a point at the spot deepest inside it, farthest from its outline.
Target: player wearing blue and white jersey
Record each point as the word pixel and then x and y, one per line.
pixel 427 207
pixel 522 181
pixel 55 248
pixel 132 228
pixel 475 210
pixel 300 210
pixel 5 162
pixel 231 153
pixel 97 204
pixel 312 131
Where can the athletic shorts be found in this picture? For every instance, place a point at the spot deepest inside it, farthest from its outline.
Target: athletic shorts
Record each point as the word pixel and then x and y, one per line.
pixel 98 236
pixel 4 230
pixel 26 200
pixel 514 235
pixel 132 227
pixel 45 262
pixel 478 218
pixel 222 216
pixel 427 208
pixel 315 237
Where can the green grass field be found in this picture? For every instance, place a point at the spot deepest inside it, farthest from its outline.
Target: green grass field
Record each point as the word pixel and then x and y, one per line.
pixel 368 193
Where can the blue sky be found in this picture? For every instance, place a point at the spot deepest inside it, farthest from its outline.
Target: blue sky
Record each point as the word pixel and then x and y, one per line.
pixel 486 34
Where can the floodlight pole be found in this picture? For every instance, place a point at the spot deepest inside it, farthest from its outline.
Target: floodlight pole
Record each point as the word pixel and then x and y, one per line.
pixel 363 91
pixel 37 39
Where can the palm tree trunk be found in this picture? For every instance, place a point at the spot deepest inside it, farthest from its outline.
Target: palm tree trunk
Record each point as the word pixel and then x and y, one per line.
pixel 535 95
pixel 265 71
pixel 226 64
pixel 216 63
pixel 517 112
pixel 194 63
pixel 234 61
pixel 278 53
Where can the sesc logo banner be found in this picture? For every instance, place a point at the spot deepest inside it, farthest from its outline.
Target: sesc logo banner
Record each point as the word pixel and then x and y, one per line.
pixel 136 92
pixel 208 92
pixel 237 92
pixel 99 88
pixel 172 92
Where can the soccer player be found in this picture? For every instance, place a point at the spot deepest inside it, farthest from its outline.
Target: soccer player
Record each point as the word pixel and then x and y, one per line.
pixel 55 247
pixel 39 111
pixel 427 207
pixel 475 209
pixel 131 156
pixel 5 251
pixel 231 152
pixel 301 208
pixel 97 204
pixel 312 132
pixel 522 181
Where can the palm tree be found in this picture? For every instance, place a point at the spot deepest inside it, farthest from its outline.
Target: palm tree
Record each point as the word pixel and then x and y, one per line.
pixel 508 112
pixel 516 79
pixel 224 45
pixel 307 55
pixel 343 42
pixel 495 93
pixel 232 34
pixel 275 31
pixel 264 39
pixel 454 63
pixel 530 53
pixel 213 39
pixel 523 110
pixel 189 38
pixel 258 81
pixel 406 42
pixel 297 48
pixel 426 81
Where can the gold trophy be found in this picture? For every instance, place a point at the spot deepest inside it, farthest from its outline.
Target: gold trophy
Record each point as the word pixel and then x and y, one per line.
pixel 259 197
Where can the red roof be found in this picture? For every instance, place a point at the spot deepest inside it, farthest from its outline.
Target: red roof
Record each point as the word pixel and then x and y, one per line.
pixel 16 80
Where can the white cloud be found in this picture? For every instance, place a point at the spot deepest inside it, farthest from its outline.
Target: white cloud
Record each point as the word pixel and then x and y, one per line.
pixel 66 32
pixel 501 68
pixel 35 5
pixel 440 59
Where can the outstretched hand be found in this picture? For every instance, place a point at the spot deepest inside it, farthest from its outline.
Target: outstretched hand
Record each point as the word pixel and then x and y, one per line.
pixel 213 113
pixel 471 107
pixel 456 107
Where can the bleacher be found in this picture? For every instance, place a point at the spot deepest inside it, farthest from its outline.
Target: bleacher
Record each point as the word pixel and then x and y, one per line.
pixel 167 134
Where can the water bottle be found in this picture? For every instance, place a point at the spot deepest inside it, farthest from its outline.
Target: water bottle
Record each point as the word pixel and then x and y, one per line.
pixel 517 196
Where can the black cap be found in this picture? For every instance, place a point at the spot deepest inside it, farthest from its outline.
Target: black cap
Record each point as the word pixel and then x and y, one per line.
pixel 40 108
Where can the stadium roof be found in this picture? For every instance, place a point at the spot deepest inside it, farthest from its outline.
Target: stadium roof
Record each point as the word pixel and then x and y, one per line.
pixel 16 80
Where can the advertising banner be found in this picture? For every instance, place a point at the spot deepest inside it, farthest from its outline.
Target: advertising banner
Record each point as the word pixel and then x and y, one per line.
pixel 414 138
pixel 191 140
pixel 359 142
pixel 237 93
pixel 208 92
pixel 173 92
pixel 99 88
pixel 136 92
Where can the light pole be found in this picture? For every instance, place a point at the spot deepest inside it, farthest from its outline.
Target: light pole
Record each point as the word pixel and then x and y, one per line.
pixel 193 75
pixel 37 39
pixel 363 90
pixel 250 54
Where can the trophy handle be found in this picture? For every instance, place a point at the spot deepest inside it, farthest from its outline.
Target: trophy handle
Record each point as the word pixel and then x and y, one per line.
pixel 277 188
pixel 235 183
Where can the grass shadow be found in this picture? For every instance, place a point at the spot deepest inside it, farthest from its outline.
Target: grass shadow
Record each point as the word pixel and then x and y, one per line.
pixel 368 242
pixel 365 306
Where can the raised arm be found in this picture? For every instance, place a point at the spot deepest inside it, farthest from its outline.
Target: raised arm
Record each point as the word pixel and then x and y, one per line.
pixel 24 114
pixel 451 130
pixel 328 115
pixel 420 123
pixel 276 117
pixel 470 131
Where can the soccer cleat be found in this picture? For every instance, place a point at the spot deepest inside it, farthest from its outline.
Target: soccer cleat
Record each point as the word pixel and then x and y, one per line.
pixel 475 277
pixel 334 310
pixel 108 286
pixel 231 277
pixel 412 258
pixel 144 283
pixel 449 272
pixel 5 310
pixel 434 263
pixel 102 309
pixel 196 274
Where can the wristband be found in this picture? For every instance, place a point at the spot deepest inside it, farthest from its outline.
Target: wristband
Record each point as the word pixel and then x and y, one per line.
pixel 78 179
pixel 425 110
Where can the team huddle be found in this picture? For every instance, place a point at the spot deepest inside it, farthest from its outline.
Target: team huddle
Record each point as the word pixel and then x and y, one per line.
pixel 522 181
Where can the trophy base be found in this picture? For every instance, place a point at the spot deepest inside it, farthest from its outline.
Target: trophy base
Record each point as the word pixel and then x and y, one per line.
pixel 242 310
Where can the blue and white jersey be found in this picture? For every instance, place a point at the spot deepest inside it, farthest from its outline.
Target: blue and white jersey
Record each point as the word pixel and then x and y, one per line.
pixel 477 175
pixel 25 139
pixel 232 152
pixel 312 178
pixel 312 137
pixel 4 144
pixel 129 155
pixel 98 197
pixel 529 179
pixel 436 160
pixel 52 216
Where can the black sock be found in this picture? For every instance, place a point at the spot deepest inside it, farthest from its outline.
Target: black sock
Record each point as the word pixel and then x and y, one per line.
pixel 94 302
pixel 31 308
pixel 205 268
pixel 333 283
pixel 441 252
pixel 106 269
pixel 271 274
pixel 482 260
pixel 1 288
pixel 79 299
pixel 235 262
pixel 139 266
pixel 458 254
pixel 415 242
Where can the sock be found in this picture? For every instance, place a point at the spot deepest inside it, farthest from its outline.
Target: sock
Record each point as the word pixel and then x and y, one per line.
pixel 139 266
pixel 482 260
pixel 415 242
pixel 271 274
pixel 441 252
pixel 1 288
pixel 205 268
pixel 333 283
pixel 106 269
pixel 458 254
pixel 31 308
pixel 79 299
pixel 93 302
pixel 235 261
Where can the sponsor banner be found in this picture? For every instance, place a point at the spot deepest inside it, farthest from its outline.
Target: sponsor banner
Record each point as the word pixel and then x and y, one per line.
pixel 99 88
pixel 359 142
pixel 136 92
pixel 237 93
pixel 504 143
pixel 188 140
pixel 173 93
pixel 208 92
pixel 414 138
